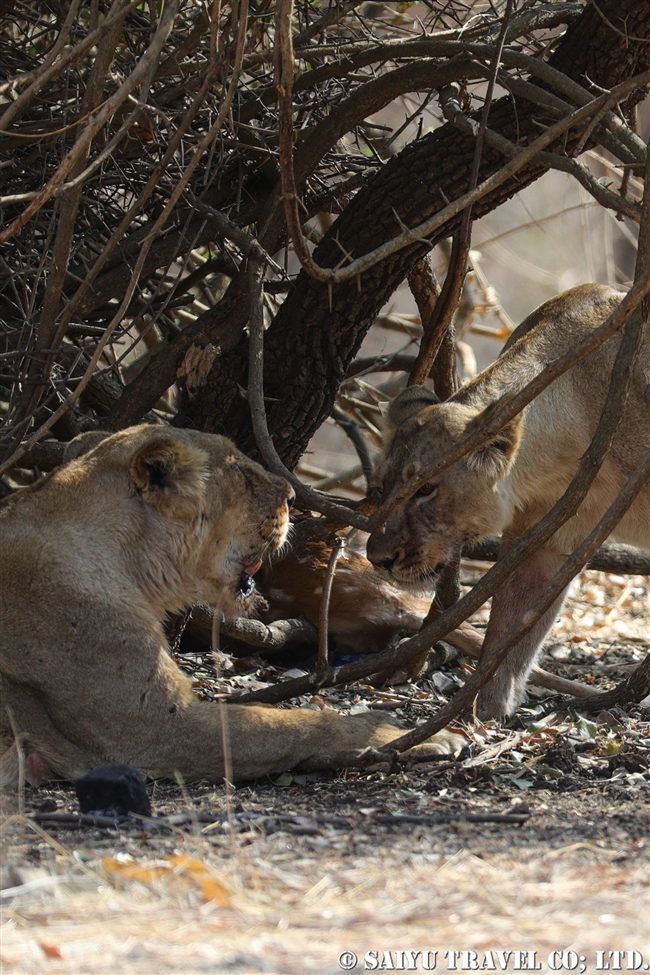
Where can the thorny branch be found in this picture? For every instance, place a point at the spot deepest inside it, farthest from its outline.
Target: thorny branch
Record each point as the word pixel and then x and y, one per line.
pixel 410 235
pixel 206 96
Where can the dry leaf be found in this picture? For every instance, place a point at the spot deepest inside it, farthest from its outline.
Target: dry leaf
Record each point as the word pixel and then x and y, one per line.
pixel 50 951
pixel 181 868
pixel 195 869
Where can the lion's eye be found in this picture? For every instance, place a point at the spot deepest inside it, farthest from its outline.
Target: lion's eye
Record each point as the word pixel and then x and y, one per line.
pixel 426 491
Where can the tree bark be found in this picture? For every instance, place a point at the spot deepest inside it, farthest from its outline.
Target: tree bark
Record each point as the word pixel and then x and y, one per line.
pixel 315 335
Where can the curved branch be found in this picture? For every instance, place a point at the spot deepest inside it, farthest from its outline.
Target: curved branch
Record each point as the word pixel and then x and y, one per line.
pixel 317 502
pixel 99 119
pixel 428 227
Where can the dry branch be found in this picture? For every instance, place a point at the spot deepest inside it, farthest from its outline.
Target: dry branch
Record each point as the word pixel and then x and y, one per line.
pixel 314 501
pixel 428 227
pixel 619 559
pixel 96 121
pixel 255 633
pixel 324 609
pixel 469 642
pixel 414 184
pixel 635 688
pixel 439 322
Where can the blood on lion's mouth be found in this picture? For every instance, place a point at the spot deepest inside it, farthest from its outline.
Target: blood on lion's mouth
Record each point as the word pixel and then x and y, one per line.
pixel 253 566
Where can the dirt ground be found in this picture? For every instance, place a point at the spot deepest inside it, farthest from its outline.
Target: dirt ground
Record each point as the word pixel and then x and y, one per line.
pixel 534 838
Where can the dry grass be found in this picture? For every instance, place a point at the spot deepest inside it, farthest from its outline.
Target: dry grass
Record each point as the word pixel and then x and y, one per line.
pixel 292 913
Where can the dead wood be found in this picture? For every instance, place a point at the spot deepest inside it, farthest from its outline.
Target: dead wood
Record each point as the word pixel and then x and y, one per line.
pixel 255 633
pixel 440 162
pixel 634 689
pixel 619 559
pixel 470 642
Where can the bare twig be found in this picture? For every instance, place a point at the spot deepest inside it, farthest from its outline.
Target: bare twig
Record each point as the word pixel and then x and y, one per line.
pixel 440 319
pixel 49 336
pixel 338 548
pixel 358 442
pixel 51 67
pixel 99 119
pixel 228 777
pixel 427 293
pixel 159 223
pixel 600 192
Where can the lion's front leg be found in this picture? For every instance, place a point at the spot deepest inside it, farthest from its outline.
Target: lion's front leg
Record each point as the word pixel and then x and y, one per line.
pixel 504 691
pixel 268 740
pixel 377 732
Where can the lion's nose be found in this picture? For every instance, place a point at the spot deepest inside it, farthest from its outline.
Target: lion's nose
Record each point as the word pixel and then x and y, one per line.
pixel 381 552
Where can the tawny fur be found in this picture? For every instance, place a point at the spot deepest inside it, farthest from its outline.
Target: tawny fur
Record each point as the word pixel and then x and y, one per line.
pixel 506 486
pixel 147 522
pixel 367 612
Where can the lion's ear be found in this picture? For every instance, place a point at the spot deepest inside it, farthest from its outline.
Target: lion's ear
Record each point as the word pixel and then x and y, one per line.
pixel 170 474
pixel 495 458
pixel 83 443
pixel 408 403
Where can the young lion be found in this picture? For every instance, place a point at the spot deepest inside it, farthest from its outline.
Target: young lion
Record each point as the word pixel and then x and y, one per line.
pixel 149 521
pixel 506 486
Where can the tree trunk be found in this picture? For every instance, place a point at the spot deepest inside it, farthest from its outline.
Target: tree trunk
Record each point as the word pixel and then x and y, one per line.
pixel 315 336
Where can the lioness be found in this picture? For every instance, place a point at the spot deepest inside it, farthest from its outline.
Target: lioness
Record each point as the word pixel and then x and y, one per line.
pixel 507 485
pixel 93 558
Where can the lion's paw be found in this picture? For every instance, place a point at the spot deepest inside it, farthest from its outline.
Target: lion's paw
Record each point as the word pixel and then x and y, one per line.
pixel 444 743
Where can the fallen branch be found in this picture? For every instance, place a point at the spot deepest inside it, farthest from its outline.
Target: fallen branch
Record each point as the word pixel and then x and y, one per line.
pixel 469 642
pixel 619 559
pixel 265 821
pixel 634 689
pixel 255 633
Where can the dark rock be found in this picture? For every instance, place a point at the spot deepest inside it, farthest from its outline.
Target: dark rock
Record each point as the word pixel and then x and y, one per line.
pixel 113 790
